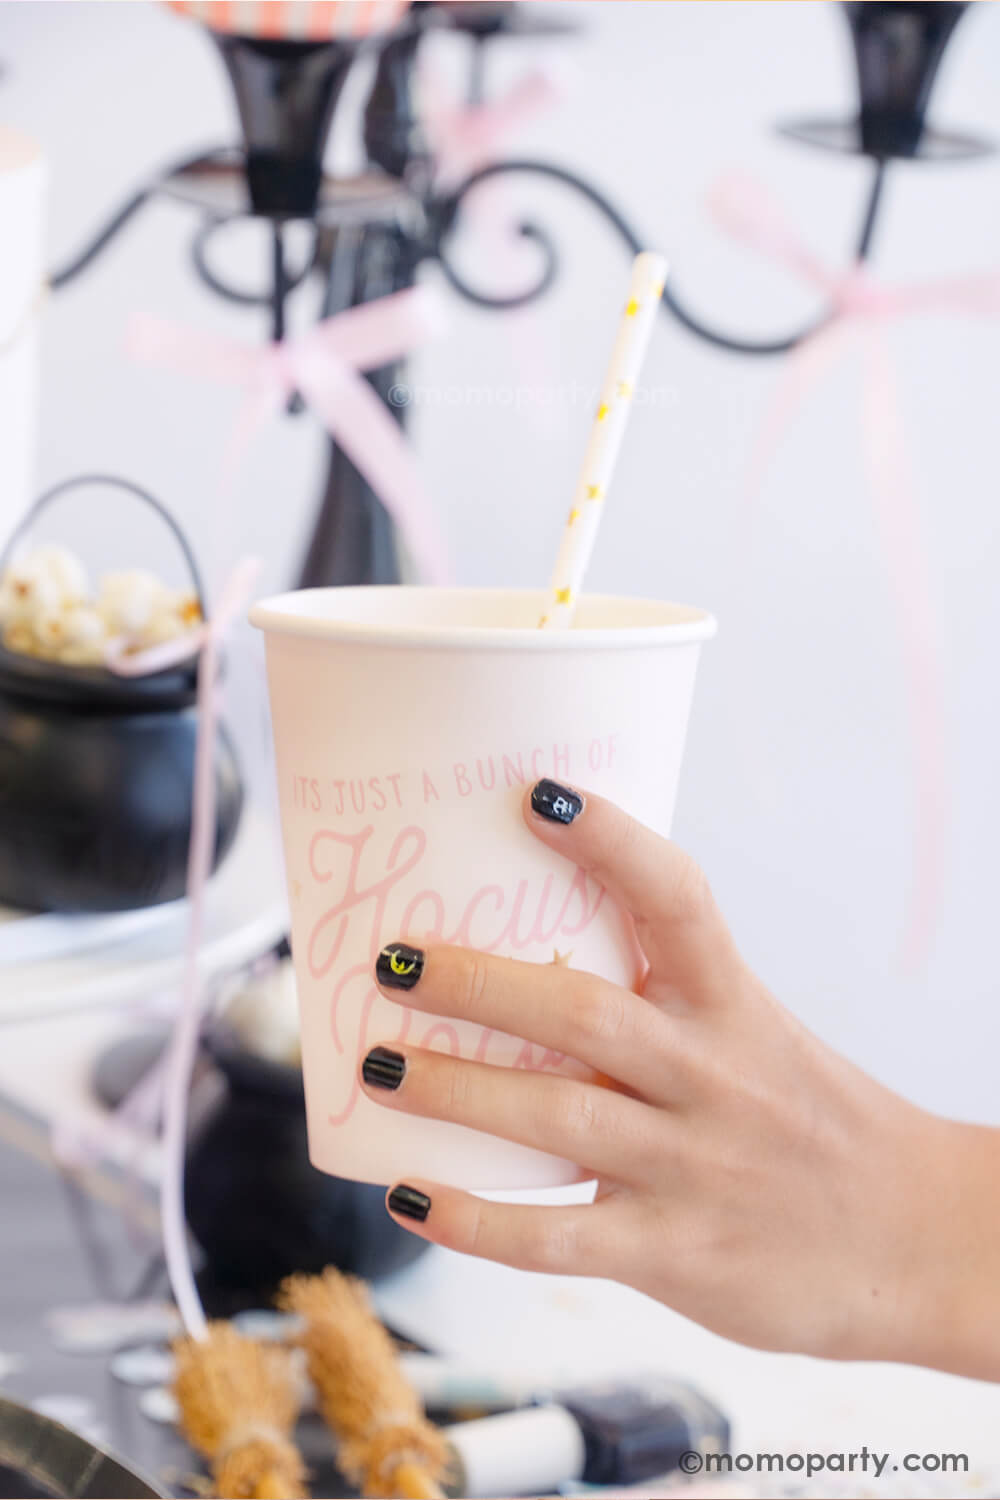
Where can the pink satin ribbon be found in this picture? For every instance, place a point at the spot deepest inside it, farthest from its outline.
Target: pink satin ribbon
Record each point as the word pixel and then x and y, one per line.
pixel 859 304
pixel 174 1082
pixel 745 209
pixel 165 1088
pixel 464 138
pixel 324 364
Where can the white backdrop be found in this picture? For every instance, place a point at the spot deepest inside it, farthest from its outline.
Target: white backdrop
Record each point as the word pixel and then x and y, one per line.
pixel 798 791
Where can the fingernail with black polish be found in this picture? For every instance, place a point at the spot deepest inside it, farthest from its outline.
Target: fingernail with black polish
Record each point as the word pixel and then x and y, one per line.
pixel 384 1069
pixel 399 967
pixel 409 1203
pixel 555 802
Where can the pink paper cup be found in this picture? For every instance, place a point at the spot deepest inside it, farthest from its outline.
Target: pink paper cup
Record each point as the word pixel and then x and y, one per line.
pixel 408 723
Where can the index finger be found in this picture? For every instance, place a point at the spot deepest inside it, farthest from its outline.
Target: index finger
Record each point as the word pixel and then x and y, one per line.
pixel 678 924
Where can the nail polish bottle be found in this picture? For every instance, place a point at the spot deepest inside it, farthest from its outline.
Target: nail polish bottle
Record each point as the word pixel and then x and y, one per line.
pixel 605 1433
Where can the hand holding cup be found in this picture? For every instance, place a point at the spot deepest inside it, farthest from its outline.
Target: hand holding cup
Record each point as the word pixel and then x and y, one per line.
pixel 746 1175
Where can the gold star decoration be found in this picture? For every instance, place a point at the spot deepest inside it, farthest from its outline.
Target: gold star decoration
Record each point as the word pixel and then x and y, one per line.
pixel 594 492
pixel 564 596
pixel 658 290
pixel 561 960
pixel 624 389
pixel 602 411
pixel 631 308
pixel 543 622
pixel 574 515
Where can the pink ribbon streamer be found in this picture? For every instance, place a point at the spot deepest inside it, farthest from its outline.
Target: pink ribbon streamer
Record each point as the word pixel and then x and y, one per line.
pixel 184 1040
pixel 325 365
pixel 860 304
pixel 164 1089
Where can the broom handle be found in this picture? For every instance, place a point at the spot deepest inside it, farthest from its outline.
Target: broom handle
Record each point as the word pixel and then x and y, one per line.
pixel 410 1482
pixel 273 1485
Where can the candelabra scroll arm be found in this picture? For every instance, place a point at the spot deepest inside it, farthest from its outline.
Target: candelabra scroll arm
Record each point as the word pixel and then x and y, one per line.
pixel 550 269
pixel 128 209
pixel 445 213
pixel 210 225
pixel 872 208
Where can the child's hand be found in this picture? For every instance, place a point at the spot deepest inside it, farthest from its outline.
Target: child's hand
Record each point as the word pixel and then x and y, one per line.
pixel 747 1176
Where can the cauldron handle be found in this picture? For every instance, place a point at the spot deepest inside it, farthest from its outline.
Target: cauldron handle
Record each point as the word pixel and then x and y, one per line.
pixel 34 510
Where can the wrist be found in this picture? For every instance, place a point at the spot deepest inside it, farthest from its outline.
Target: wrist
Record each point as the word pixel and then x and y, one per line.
pixel 948 1315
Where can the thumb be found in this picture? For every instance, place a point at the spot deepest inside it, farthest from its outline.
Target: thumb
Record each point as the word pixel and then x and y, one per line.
pixel 678 924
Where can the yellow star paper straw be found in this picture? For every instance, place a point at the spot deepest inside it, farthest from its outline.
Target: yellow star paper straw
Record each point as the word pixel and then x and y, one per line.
pixel 638 316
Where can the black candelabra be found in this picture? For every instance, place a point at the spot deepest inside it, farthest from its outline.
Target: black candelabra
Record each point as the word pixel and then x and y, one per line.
pixel 371 232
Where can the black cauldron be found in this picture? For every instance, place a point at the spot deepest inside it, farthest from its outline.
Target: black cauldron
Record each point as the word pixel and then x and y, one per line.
pixel 258 1207
pixel 96 773
pixel 39 1457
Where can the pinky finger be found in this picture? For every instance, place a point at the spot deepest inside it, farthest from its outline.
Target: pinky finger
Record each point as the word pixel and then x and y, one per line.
pixel 568 1240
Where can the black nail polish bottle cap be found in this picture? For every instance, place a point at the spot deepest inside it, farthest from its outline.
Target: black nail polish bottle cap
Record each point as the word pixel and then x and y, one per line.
pixel 636 1432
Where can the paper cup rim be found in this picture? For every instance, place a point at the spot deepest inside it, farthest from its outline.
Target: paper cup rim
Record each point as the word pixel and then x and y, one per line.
pixel 666 623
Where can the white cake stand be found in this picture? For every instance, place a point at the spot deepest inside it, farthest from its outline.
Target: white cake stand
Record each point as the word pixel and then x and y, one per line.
pixel 52 964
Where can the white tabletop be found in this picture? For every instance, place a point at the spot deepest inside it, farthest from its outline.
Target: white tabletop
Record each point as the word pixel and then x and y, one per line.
pixel 581 1329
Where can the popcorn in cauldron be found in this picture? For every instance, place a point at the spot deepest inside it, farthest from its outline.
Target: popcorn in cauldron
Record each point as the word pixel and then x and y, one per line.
pixel 47 609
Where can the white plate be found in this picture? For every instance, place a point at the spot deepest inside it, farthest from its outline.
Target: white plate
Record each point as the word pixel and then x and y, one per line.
pixel 26 937
pixel 104 960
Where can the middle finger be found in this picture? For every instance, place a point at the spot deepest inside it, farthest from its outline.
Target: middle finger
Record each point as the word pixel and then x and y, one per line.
pixel 567 1010
pixel 609 1133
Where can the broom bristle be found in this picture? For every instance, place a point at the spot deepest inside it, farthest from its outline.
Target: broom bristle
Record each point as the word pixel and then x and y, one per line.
pixel 364 1396
pixel 352 1359
pixel 238 1404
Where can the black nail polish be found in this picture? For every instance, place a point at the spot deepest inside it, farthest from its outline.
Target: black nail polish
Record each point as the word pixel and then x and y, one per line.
pixel 384 1069
pixel 408 1202
pixel 399 967
pixel 558 803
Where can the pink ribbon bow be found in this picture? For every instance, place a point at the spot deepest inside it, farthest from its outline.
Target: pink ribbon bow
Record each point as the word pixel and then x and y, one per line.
pixel 860 305
pixel 324 365
pixel 466 137
pixel 743 207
